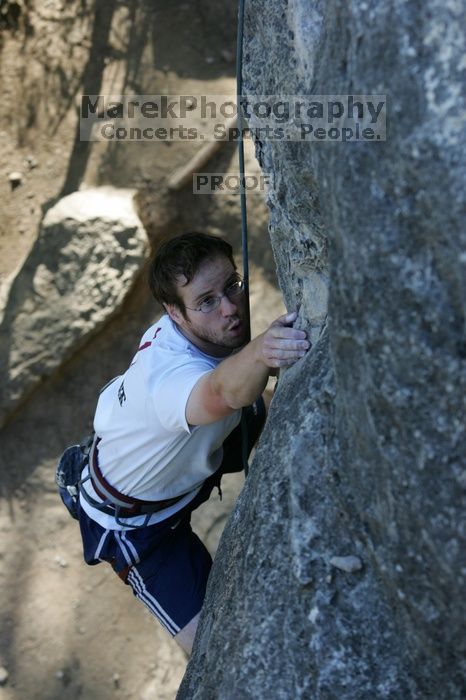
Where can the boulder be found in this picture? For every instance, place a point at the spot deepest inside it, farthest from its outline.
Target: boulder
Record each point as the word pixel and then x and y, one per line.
pixel 341 572
pixel 89 251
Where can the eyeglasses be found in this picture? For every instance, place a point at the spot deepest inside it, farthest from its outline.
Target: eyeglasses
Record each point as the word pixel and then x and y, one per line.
pixel 210 303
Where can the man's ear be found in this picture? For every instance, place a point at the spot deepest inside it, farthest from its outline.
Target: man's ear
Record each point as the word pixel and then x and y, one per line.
pixel 174 313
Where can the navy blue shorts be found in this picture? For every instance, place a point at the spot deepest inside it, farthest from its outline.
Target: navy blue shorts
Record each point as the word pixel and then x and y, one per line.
pixel 166 564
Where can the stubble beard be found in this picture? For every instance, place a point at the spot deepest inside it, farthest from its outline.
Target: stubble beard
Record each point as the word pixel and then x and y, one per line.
pixel 220 339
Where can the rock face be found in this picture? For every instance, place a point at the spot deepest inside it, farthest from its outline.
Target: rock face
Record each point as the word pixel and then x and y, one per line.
pixel 90 248
pixel 341 573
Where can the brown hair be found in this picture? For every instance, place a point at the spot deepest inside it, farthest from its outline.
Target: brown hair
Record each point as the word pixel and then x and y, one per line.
pixel 182 256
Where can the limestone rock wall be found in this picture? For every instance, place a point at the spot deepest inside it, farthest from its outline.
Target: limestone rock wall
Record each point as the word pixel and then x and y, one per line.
pixel 341 573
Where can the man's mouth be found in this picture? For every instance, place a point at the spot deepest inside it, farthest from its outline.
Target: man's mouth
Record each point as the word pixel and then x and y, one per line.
pixel 236 326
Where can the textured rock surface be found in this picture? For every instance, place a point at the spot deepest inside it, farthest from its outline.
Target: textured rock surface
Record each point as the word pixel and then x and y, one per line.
pixel 88 253
pixel 364 452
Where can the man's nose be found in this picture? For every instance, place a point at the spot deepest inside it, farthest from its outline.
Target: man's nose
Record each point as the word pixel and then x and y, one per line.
pixel 227 307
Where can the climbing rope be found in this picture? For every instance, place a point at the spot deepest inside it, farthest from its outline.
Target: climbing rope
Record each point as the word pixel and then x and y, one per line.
pixel 244 218
pixel 244 221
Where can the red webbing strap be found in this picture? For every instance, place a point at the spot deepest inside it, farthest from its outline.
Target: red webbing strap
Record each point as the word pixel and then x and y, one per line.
pixel 109 493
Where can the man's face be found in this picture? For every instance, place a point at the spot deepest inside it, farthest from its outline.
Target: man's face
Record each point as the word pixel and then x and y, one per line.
pixel 221 330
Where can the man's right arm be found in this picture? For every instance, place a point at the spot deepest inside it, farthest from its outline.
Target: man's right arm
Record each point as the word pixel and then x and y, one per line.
pixel 240 379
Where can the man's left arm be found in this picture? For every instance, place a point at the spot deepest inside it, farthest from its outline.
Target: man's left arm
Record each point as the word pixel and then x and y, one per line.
pixel 241 378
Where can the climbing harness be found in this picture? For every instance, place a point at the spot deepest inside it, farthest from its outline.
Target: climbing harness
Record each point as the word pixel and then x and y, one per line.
pixel 120 504
pixel 70 483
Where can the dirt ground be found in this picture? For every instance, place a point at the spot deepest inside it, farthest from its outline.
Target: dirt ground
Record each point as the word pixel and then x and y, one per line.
pixel 68 630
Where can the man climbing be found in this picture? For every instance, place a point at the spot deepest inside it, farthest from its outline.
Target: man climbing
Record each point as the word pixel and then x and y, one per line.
pixel 169 427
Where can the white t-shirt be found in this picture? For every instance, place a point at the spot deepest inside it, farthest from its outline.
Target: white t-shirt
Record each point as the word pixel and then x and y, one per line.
pixel 147 449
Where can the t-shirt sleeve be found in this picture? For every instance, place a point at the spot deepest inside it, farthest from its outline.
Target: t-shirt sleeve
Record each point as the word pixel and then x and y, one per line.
pixel 170 388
